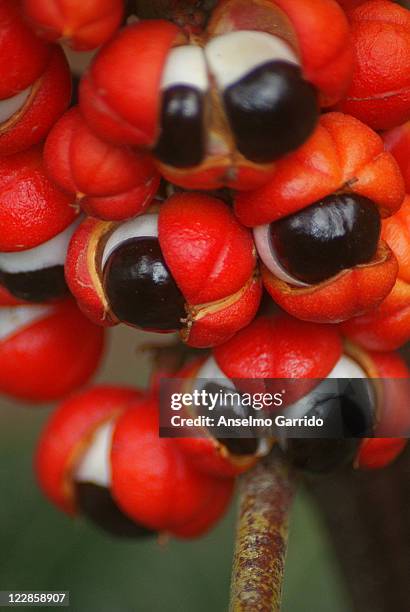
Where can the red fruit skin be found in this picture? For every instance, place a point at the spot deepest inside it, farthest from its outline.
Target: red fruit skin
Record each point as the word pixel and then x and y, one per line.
pixel 376 453
pixel 348 5
pixel 124 205
pixel 397 142
pixel 380 91
pixel 66 435
pixel 122 104
pixel 83 25
pixel 154 483
pixel 349 294
pixel 6 299
pixel 396 232
pixel 81 275
pixel 322 37
pixel 343 154
pixel 211 257
pixel 51 357
pixel 212 458
pixel 23 56
pixel 50 98
pixel 201 230
pixel 219 497
pixel 218 326
pixel 325 45
pixel 395 373
pixel 33 210
pixel 388 327
pixel 279 346
pixel 111 182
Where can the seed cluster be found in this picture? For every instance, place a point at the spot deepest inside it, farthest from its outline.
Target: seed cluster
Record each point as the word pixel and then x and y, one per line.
pixel 241 184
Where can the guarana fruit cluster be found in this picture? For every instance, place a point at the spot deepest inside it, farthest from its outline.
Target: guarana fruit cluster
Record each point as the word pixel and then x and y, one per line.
pixel 263 155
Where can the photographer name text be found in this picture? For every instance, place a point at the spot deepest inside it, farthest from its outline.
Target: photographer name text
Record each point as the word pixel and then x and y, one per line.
pixel 222 421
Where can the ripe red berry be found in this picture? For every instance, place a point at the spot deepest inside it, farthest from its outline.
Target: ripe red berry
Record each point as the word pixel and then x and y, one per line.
pixel 397 142
pixel 73 424
pixel 191 268
pixel 379 94
pixel 376 453
pixel 47 351
pixel 27 118
pixel 33 209
pixel 110 182
pixel 278 347
pixel 35 87
pixel 219 111
pixel 341 177
pixel 327 65
pixel 111 465
pixel 83 25
pixel 23 56
pixel 387 327
pixel 156 484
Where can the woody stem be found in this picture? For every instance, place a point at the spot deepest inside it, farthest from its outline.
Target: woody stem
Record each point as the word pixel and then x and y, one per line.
pixel 266 494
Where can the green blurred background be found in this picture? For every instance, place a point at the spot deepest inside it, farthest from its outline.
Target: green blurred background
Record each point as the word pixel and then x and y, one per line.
pixel 41 549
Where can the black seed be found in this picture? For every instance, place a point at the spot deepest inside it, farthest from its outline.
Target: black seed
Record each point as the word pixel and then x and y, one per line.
pixel 96 503
pixel 334 234
pixel 75 87
pixel 182 141
pixel 36 285
pixel 231 409
pixel 140 288
pixel 240 446
pixel 321 455
pixel 272 111
pixel 349 413
pixel 347 417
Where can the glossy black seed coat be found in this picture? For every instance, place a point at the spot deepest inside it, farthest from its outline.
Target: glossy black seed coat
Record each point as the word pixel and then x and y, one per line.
pixel 97 504
pixel 182 142
pixel 236 445
pixel 347 417
pixel 272 111
pixel 140 288
pixel 36 285
pixel 334 234
pixel 349 413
